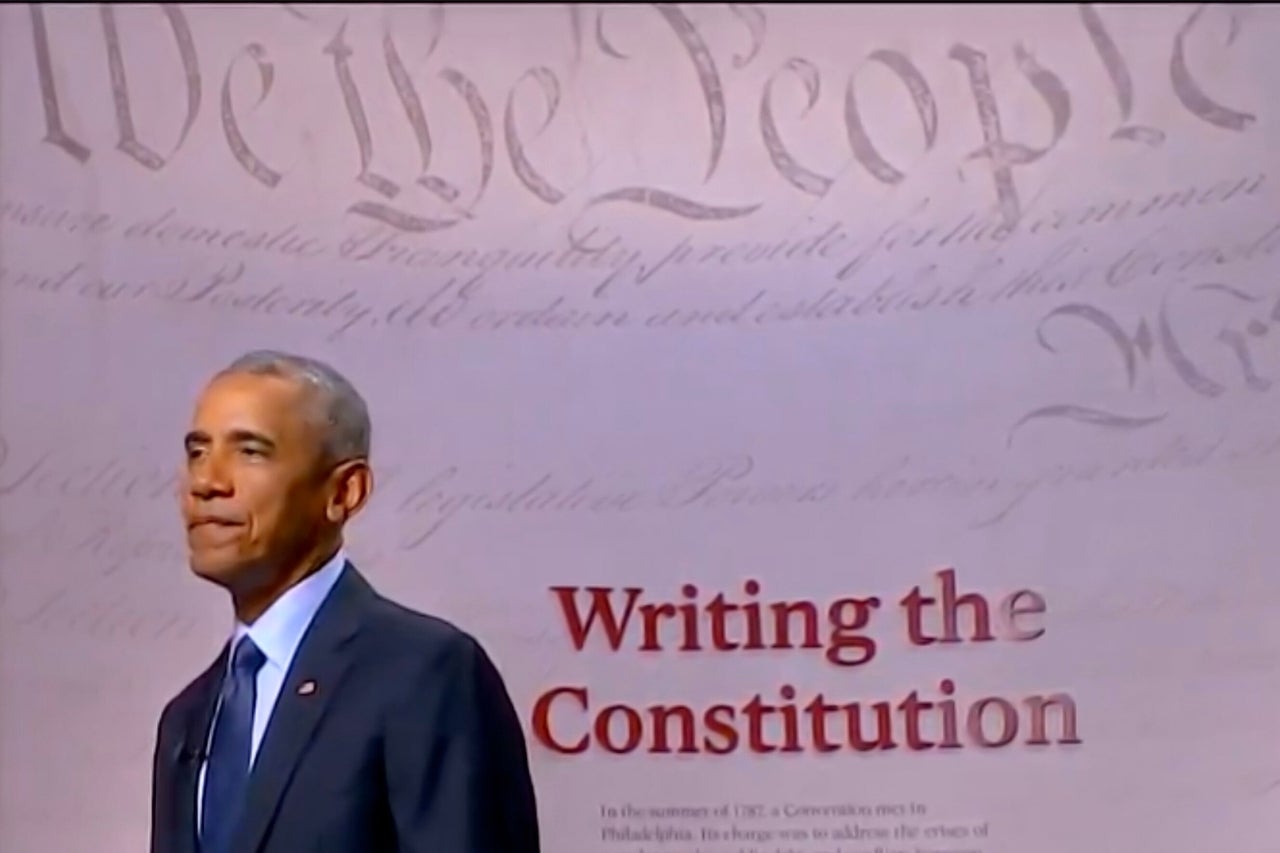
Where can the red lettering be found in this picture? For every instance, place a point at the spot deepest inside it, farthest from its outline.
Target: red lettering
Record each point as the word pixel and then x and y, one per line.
pixel 602 607
pixel 809 725
pixel 542 720
pixel 718 624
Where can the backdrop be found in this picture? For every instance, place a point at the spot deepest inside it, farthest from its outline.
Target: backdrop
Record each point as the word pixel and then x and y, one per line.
pixel 850 429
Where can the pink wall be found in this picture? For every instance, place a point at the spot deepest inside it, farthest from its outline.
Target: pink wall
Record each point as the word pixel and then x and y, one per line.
pixel 827 298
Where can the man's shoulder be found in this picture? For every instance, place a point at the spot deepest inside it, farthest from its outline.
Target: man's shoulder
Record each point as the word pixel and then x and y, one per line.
pixel 415 635
pixel 418 658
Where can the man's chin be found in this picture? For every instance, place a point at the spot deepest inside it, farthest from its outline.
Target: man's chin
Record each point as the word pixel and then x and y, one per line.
pixel 215 569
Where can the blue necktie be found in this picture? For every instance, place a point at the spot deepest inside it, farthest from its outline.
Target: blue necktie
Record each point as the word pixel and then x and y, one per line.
pixel 227 772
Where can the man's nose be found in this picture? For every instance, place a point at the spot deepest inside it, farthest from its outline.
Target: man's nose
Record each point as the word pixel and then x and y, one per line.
pixel 209 478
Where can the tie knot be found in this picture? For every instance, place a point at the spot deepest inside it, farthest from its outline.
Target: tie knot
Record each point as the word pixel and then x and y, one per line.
pixel 247 658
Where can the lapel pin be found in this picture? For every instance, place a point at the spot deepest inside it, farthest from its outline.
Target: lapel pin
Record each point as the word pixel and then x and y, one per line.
pixel 306 688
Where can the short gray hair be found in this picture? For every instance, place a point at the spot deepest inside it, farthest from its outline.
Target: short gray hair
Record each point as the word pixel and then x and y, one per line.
pixel 348 432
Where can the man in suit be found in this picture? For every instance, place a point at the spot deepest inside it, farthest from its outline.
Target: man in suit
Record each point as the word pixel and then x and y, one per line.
pixel 333 719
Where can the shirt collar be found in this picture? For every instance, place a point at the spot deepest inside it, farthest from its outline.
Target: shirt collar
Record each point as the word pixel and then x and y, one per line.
pixel 278 631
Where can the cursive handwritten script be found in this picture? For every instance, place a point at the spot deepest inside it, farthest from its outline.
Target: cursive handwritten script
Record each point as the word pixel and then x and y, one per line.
pixel 908 268
pixel 1239 339
pixel 424 502
pixel 453 201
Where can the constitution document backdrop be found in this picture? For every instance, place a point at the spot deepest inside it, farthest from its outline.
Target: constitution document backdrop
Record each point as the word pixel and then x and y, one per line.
pixel 851 429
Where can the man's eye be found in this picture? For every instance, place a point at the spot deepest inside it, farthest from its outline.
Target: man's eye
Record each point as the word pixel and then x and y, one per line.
pixel 253 451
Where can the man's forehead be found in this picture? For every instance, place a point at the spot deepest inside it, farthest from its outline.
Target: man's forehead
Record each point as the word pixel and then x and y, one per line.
pixel 265 398
pixel 248 388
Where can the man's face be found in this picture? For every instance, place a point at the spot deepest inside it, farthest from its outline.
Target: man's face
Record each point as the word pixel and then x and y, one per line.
pixel 254 493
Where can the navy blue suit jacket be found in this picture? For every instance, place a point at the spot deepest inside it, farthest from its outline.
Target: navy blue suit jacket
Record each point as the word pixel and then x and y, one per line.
pixel 409 743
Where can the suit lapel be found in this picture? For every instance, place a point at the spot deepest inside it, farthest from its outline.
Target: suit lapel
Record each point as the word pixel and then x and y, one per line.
pixel 322 661
pixel 199 719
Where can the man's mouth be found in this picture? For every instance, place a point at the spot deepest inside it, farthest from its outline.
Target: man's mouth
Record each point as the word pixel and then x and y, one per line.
pixel 213 528
pixel 213 520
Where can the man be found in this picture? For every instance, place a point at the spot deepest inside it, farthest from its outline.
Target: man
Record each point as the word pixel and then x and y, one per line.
pixel 334 719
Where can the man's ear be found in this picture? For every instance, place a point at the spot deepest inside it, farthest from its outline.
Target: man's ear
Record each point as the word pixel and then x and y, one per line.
pixel 352 486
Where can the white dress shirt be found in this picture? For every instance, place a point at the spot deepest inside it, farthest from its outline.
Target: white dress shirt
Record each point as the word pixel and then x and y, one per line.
pixel 277 633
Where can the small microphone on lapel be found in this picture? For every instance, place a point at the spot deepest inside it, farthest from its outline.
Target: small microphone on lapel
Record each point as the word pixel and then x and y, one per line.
pixel 306 688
